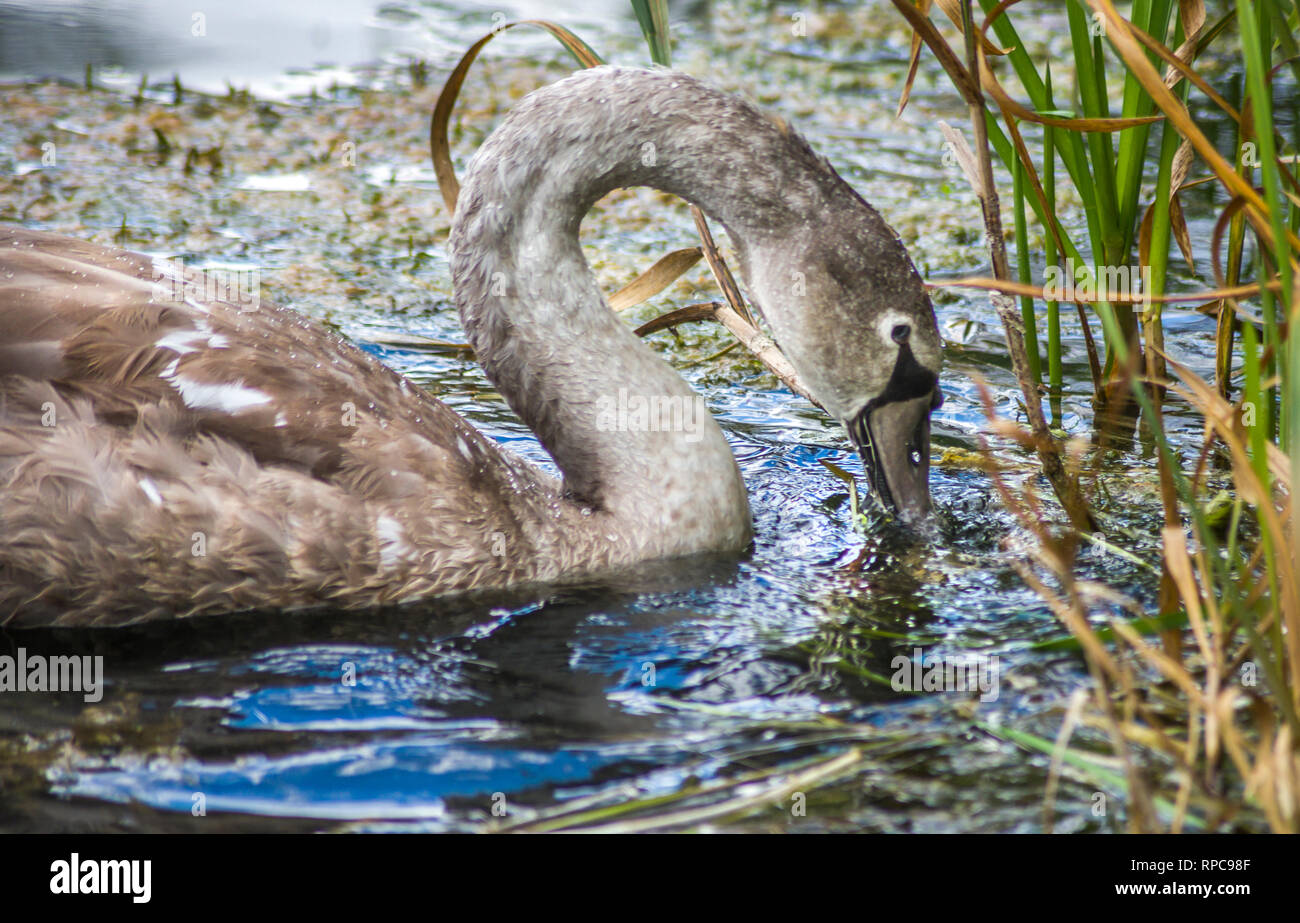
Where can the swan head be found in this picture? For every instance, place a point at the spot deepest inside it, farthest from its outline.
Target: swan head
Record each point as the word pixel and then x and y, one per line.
pixel 851 313
pixel 892 429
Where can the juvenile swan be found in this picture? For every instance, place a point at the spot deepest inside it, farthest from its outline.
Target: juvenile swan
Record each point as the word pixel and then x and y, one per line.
pixel 165 453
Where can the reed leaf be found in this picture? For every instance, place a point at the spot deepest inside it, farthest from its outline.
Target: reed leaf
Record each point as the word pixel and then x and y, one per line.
pixel 439 144
pixel 652 15
pixel 666 270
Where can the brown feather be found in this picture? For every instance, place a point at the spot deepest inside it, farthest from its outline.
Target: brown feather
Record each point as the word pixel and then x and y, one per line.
pixel 129 493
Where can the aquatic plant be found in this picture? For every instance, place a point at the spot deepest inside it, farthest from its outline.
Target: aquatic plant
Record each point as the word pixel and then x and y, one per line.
pixel 1199 700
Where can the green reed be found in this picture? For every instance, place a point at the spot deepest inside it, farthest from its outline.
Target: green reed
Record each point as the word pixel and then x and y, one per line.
pixel 653 18
pixel 1229 572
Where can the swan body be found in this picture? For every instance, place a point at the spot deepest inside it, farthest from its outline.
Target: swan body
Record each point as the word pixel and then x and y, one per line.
pixel 165 453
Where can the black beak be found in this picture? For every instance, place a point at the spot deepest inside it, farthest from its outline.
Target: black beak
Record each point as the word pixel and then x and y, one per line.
pixel 894 441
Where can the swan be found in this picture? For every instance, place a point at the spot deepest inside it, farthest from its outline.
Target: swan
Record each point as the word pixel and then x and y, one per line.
pixel 167 451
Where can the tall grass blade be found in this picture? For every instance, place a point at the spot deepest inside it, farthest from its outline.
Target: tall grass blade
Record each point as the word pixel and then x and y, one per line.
pixel 439 144
pixel 653 18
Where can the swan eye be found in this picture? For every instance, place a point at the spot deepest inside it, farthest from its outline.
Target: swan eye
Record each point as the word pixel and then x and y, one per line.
pixel 900 333
pixel 916 458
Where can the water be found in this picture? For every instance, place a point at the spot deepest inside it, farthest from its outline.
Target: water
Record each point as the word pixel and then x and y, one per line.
pixel 482 712
pixel 275 49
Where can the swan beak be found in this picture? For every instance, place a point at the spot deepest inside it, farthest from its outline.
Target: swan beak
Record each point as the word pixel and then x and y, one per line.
pixel 894 441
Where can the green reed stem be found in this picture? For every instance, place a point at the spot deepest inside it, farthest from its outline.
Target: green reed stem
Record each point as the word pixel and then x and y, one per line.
pixel 1160 232
pixel 1227 323
pixel 1023 272
pixel 652 15
pixel 1092 97
pixel 1255 53
pixel 1130 162
pixel 1056 376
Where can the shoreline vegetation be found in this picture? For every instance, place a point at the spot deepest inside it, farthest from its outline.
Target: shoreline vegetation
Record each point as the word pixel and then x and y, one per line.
pixel 1202 716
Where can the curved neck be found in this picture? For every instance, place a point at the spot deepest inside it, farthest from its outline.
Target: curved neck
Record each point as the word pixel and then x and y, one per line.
pixel 632 439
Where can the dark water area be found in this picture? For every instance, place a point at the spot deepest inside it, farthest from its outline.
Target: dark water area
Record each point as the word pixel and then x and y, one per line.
pixel 704 679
